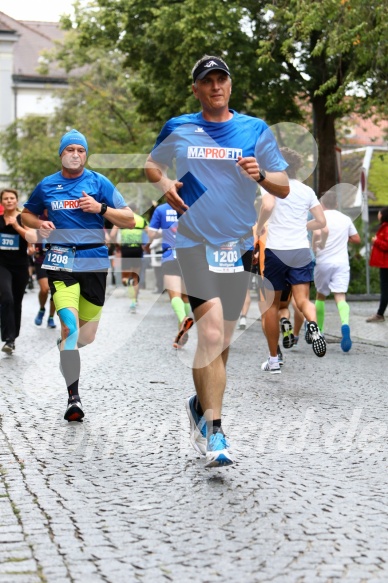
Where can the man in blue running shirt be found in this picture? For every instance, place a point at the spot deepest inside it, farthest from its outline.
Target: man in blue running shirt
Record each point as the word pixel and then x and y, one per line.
pixel 165 219
pixel 77 262
pixel 220 157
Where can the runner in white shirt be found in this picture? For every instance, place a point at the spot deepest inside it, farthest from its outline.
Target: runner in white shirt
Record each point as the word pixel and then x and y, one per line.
pixel 332 270
pixel 288 257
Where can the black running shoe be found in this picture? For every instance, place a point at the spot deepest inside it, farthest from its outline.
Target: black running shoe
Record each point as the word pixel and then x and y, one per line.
pixel 317 340
pixel 8 347
pixel 307 333
pixel 74 411
pixel 288 333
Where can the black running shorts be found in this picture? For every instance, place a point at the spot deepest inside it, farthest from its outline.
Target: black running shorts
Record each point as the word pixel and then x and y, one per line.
pixel 40 273
pixel 131 258
pixel 131 252
pixel 92 283
pixel 203 285
pixel 171 268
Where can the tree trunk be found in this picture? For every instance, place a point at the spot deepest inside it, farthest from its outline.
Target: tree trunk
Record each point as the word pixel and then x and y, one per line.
pixel 325 135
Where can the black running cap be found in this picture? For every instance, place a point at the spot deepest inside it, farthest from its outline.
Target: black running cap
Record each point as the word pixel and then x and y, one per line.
pixel 210 64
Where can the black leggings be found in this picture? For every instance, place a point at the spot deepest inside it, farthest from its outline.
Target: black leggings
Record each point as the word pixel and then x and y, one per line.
pixel 13 281
pixel 383 291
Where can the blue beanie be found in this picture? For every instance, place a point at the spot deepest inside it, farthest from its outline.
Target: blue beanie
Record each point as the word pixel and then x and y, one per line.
pixel 72 137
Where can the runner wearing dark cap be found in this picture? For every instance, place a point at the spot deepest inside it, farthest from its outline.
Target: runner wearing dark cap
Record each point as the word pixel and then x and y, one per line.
pixel 220 157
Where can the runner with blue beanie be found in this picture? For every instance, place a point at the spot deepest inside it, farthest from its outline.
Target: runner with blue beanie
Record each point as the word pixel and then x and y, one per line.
pixel 76 200
pixel 73 137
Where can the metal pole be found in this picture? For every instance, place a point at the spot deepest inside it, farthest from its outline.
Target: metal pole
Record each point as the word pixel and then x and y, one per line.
pixel 365 217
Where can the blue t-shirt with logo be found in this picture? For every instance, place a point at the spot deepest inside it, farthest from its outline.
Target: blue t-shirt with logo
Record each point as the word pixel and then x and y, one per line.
pixel 60 196
pixel 166 218
pixel 220 197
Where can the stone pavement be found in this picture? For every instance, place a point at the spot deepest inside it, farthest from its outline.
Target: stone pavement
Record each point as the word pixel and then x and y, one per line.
pixel 123 497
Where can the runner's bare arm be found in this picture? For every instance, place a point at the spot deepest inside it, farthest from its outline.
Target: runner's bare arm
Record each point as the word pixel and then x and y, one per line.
pixel 319 238
pixel 30 235
pixel 319 220
pixel 122 218
pixel 355 239
pixel 156 173
pixel 276 183
pixel 267 206
pixel 34 222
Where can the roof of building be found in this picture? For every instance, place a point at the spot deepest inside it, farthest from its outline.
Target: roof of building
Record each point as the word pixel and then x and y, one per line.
pixel 32 39
pixel 357 131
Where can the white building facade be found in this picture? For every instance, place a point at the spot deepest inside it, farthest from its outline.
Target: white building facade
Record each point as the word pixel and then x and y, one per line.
pixel 23 90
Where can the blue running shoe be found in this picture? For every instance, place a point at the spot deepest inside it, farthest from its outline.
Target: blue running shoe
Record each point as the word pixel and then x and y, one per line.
pixel 197 427
pixel 346 342
pixel 39 318
pixel 217 454
pixel 51 323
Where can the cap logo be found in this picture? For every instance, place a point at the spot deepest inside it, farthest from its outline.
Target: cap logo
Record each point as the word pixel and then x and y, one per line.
pixel 210 64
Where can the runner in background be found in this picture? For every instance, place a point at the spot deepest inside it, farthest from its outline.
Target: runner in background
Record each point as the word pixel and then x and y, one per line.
pixel 42 279
pixel 111 249
pixel 165 218
pixel 287 255
pixel 44 288
pixel 332 268
pixel 132 243
pixel 15 240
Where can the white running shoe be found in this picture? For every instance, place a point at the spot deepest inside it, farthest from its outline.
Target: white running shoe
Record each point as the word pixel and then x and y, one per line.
pixel 273 368
pixel 243 323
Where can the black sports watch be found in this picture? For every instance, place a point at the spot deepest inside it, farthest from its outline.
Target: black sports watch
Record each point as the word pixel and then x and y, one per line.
pixel 262 176
pixel 104 208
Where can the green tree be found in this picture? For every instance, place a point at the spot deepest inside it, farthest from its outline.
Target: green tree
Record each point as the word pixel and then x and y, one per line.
pixel 28 147
pixel 287 58
pixel 334 56
pixel 99 103
pixel 130 64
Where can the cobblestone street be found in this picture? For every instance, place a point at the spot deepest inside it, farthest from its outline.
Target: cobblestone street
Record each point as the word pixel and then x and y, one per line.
pixel 124 498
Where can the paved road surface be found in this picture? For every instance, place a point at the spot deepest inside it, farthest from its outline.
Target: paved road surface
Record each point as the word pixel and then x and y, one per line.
pixel 123 497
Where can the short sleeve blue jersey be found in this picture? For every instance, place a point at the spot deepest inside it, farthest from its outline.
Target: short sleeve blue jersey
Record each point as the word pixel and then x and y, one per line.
pixel 60 196
pixel 220 197
pixel 166 218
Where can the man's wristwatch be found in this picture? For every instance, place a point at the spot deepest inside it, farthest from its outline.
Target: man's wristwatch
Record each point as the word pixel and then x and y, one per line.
pixel 262 176
pixel 104 208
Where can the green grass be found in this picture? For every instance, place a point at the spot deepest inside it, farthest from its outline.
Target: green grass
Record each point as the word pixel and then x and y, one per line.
pixel 378 178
